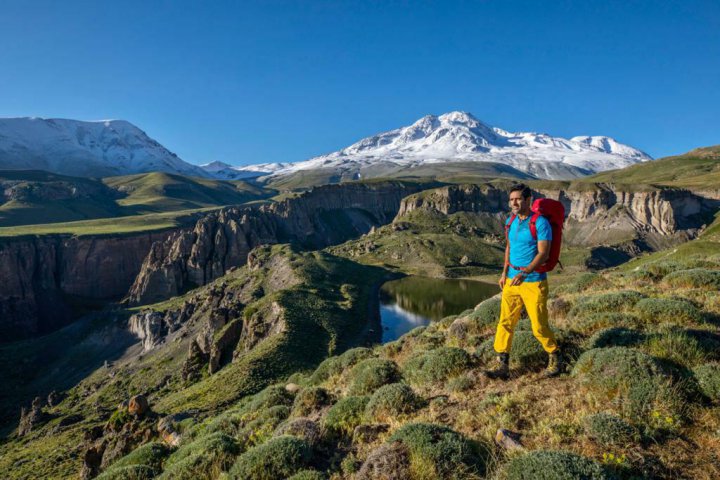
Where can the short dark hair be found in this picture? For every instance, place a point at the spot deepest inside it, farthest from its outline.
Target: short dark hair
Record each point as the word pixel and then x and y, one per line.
pixel 521 187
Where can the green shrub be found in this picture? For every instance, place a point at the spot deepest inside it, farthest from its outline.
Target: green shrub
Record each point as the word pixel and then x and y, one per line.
pixel 279 457
pixel 554 465
pixel 589 281
pixel 606 302
pixel 437 451
pixel 640 276
pixel 336 365
pixel 392 400
pixel 525 352
pixel 437 365
pixel 119 418
pixel 594 321
pixel 150 455
pixel 486 313
pixel 309 400
pixel 695 278
pixel 308 475
pixel 300 427
pixel 128 472
pixel 676 345
pixel 269 397
pixel 663 268
pixel 350 464
pixel 660 269
pixel 610 429
pixel 708 378
pixel 415 332
pixel 628 377
pixel 205 457
pixel 371 374
pixel 463 383
pixel 256 427
pixel 345 415
pixel 659 310
pixel 615 337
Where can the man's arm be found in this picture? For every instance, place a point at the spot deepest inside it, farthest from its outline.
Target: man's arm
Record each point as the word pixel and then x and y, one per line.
pixel 506 265
pixel 541 257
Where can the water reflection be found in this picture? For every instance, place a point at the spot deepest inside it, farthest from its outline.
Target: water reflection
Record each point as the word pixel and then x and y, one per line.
pixel 415 301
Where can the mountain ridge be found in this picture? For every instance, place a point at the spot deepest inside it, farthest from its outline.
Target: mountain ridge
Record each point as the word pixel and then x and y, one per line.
pixel 459 136
pixel 85 148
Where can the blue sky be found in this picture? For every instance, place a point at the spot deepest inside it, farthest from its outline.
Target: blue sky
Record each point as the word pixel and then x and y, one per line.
pixel 252 82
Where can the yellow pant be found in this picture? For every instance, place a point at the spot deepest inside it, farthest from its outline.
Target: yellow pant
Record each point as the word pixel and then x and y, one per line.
pixel 534 296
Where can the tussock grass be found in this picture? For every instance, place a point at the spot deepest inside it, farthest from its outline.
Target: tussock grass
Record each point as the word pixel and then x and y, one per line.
pixel 279 457
pixel 437 365
pixel 392 401
pixel 554 465
pixel 345 415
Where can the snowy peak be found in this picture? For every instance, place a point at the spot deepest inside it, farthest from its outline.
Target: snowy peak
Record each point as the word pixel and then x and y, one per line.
pixel 215 166
pixel 454 131
pixel 460 137
pixel 73 147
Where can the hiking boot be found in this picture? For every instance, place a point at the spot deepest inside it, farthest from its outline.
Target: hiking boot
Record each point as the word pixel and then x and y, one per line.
pixel 554 367
pixel 502 370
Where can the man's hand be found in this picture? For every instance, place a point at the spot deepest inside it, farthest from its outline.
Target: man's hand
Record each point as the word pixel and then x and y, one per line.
pixel 501 282
pixel 518 279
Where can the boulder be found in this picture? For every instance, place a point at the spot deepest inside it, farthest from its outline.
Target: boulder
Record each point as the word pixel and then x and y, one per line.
pixel 138 405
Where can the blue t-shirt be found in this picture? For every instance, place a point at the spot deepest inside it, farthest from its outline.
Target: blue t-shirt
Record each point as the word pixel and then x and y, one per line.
pixel 523 246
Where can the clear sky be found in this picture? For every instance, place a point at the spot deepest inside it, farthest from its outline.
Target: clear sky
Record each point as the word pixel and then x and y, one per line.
pixel 252 82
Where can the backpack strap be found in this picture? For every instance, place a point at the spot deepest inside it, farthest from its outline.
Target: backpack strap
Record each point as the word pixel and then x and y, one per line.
pixel 533 227
pixel 507 226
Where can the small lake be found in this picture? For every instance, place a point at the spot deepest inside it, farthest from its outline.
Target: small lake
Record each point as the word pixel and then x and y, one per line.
pixel 416 301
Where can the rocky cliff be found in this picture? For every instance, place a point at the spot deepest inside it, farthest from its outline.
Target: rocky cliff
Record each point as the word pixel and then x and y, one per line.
pixel 315 219
pixel 43 276
pixel 597 214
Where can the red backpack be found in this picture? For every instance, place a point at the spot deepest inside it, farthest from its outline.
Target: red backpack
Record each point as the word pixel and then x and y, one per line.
pixel 554 212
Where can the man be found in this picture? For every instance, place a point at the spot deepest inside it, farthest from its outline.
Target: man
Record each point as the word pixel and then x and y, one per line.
pixel 521 285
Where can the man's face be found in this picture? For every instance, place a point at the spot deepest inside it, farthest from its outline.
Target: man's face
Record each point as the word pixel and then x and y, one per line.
pixel 518 204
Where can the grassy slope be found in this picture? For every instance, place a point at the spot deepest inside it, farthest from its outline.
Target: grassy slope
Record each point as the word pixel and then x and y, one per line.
pixel 678 432
pixel 697 169
pixel 321 319
pixel 430 244
pixel 114 225
pixel 136 202
pixel 160 192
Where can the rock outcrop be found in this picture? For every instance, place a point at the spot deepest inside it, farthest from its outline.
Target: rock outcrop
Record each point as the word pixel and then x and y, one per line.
pixel 323 216
pixel 598 215
pixel 39 274
pixel 31 417
pixel 222 327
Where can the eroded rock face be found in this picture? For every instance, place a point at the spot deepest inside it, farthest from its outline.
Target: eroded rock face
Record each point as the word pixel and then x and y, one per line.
pixel 598 215
pixel 39 272
pixel 31 417
pixel 152 327
pixel 220 241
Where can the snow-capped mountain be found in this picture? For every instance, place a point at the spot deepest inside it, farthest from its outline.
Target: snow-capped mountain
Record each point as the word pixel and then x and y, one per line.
pixel 94 149
pixel 460 137
pixel 225 171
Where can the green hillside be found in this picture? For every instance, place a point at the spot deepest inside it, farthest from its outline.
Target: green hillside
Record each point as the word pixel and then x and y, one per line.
pixel 699 168
pixel 35 202
pixel 161 192
pixel 33 197
pixel 639 398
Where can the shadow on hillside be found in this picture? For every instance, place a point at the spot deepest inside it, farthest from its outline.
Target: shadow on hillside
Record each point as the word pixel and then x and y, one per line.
pixel 58 361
